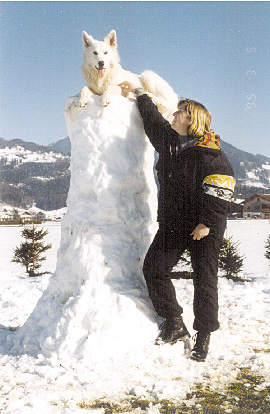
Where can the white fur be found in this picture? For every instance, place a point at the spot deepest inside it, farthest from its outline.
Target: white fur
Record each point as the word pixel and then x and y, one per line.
pixel 94 51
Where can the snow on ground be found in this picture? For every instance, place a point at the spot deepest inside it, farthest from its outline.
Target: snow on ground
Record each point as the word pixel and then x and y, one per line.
pixel 88 330
pixel 266 166
pixel 40 385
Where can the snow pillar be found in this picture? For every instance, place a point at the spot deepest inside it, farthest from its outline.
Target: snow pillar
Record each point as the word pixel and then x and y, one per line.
pixel 97 305
pixel 112 201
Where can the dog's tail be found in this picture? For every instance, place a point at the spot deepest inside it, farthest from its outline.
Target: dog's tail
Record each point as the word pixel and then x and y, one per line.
pixel 161 93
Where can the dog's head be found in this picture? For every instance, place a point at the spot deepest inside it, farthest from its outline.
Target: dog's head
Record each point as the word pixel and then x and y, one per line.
pixel 100 55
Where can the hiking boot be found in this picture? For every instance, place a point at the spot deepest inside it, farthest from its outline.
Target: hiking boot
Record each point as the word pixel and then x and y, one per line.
pixel 172 330
pixel 200 349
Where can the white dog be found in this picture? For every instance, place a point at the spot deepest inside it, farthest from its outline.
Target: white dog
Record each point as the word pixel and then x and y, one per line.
pixel 103 73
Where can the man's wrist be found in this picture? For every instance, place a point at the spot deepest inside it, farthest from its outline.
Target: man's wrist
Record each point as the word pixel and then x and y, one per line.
pixel 139 91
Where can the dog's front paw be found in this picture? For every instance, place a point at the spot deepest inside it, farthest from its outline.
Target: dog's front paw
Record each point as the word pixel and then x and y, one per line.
pixel 106 99
pixel 105 102
pixel 84 96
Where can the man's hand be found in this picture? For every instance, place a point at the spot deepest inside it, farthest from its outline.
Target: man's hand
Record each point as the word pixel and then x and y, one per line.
pixel 127 87
pixel 200 232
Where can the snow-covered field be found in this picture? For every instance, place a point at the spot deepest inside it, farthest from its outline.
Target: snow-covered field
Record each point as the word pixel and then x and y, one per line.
pixel 36 384
pixel 87 331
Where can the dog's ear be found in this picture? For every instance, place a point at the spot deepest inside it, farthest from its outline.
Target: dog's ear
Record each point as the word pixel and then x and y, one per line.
pixel 87 40
pixel 111 39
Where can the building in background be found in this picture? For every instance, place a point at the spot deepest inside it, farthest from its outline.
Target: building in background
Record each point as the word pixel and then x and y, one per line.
pixel 257 206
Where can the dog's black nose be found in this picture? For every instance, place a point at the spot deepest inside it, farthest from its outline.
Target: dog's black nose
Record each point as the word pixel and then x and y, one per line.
pixel 101 63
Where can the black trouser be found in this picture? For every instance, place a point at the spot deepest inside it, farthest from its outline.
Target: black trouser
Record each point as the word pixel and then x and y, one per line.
pixel 163 254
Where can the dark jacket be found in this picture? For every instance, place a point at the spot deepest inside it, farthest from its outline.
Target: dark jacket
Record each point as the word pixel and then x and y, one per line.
pixel 196 183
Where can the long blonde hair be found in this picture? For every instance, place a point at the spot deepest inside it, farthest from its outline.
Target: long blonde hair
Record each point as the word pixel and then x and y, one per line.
pixel 200 117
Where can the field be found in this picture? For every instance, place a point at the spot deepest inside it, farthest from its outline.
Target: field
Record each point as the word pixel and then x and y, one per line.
pixel 234 379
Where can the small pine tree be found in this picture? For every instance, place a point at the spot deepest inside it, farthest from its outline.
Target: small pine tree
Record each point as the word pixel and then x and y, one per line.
pixel 185 260
pixel 230 260
pixel 267 246
pixel 29 252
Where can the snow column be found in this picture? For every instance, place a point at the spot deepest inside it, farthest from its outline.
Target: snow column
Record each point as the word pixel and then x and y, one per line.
pixel 97 305
pixel 108 227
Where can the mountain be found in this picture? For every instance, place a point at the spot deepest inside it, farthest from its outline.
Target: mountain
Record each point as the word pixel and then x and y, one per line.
pixel 62 145
pixel 252 172
pixel 34 173
pixel 31 173
pixel 29 146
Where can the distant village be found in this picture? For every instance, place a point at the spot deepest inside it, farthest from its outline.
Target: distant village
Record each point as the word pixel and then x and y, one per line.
pixel 13 215
pixel 256 206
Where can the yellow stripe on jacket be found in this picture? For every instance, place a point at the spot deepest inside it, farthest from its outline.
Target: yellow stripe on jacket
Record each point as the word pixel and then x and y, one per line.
pixel 218 185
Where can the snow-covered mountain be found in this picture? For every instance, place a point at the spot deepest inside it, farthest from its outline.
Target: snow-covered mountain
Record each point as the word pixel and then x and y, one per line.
pixel 33 173
pixel 252 171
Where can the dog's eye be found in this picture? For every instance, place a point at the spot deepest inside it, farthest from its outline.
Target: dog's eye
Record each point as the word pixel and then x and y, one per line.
pixel 95 53
pixel 105 53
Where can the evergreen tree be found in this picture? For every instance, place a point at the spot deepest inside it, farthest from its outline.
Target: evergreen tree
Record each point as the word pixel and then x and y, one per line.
pixel 230 259
pixel 185 260
pixel 267 246
pixel 29 252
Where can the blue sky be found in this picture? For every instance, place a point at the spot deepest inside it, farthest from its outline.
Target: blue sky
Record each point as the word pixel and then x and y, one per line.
pixel 213 52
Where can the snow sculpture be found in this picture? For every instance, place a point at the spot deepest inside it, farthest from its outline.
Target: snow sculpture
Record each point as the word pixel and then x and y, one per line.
pixel 97 304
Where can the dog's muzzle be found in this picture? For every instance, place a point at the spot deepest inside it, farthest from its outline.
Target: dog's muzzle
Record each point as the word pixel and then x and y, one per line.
pixel 101 69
